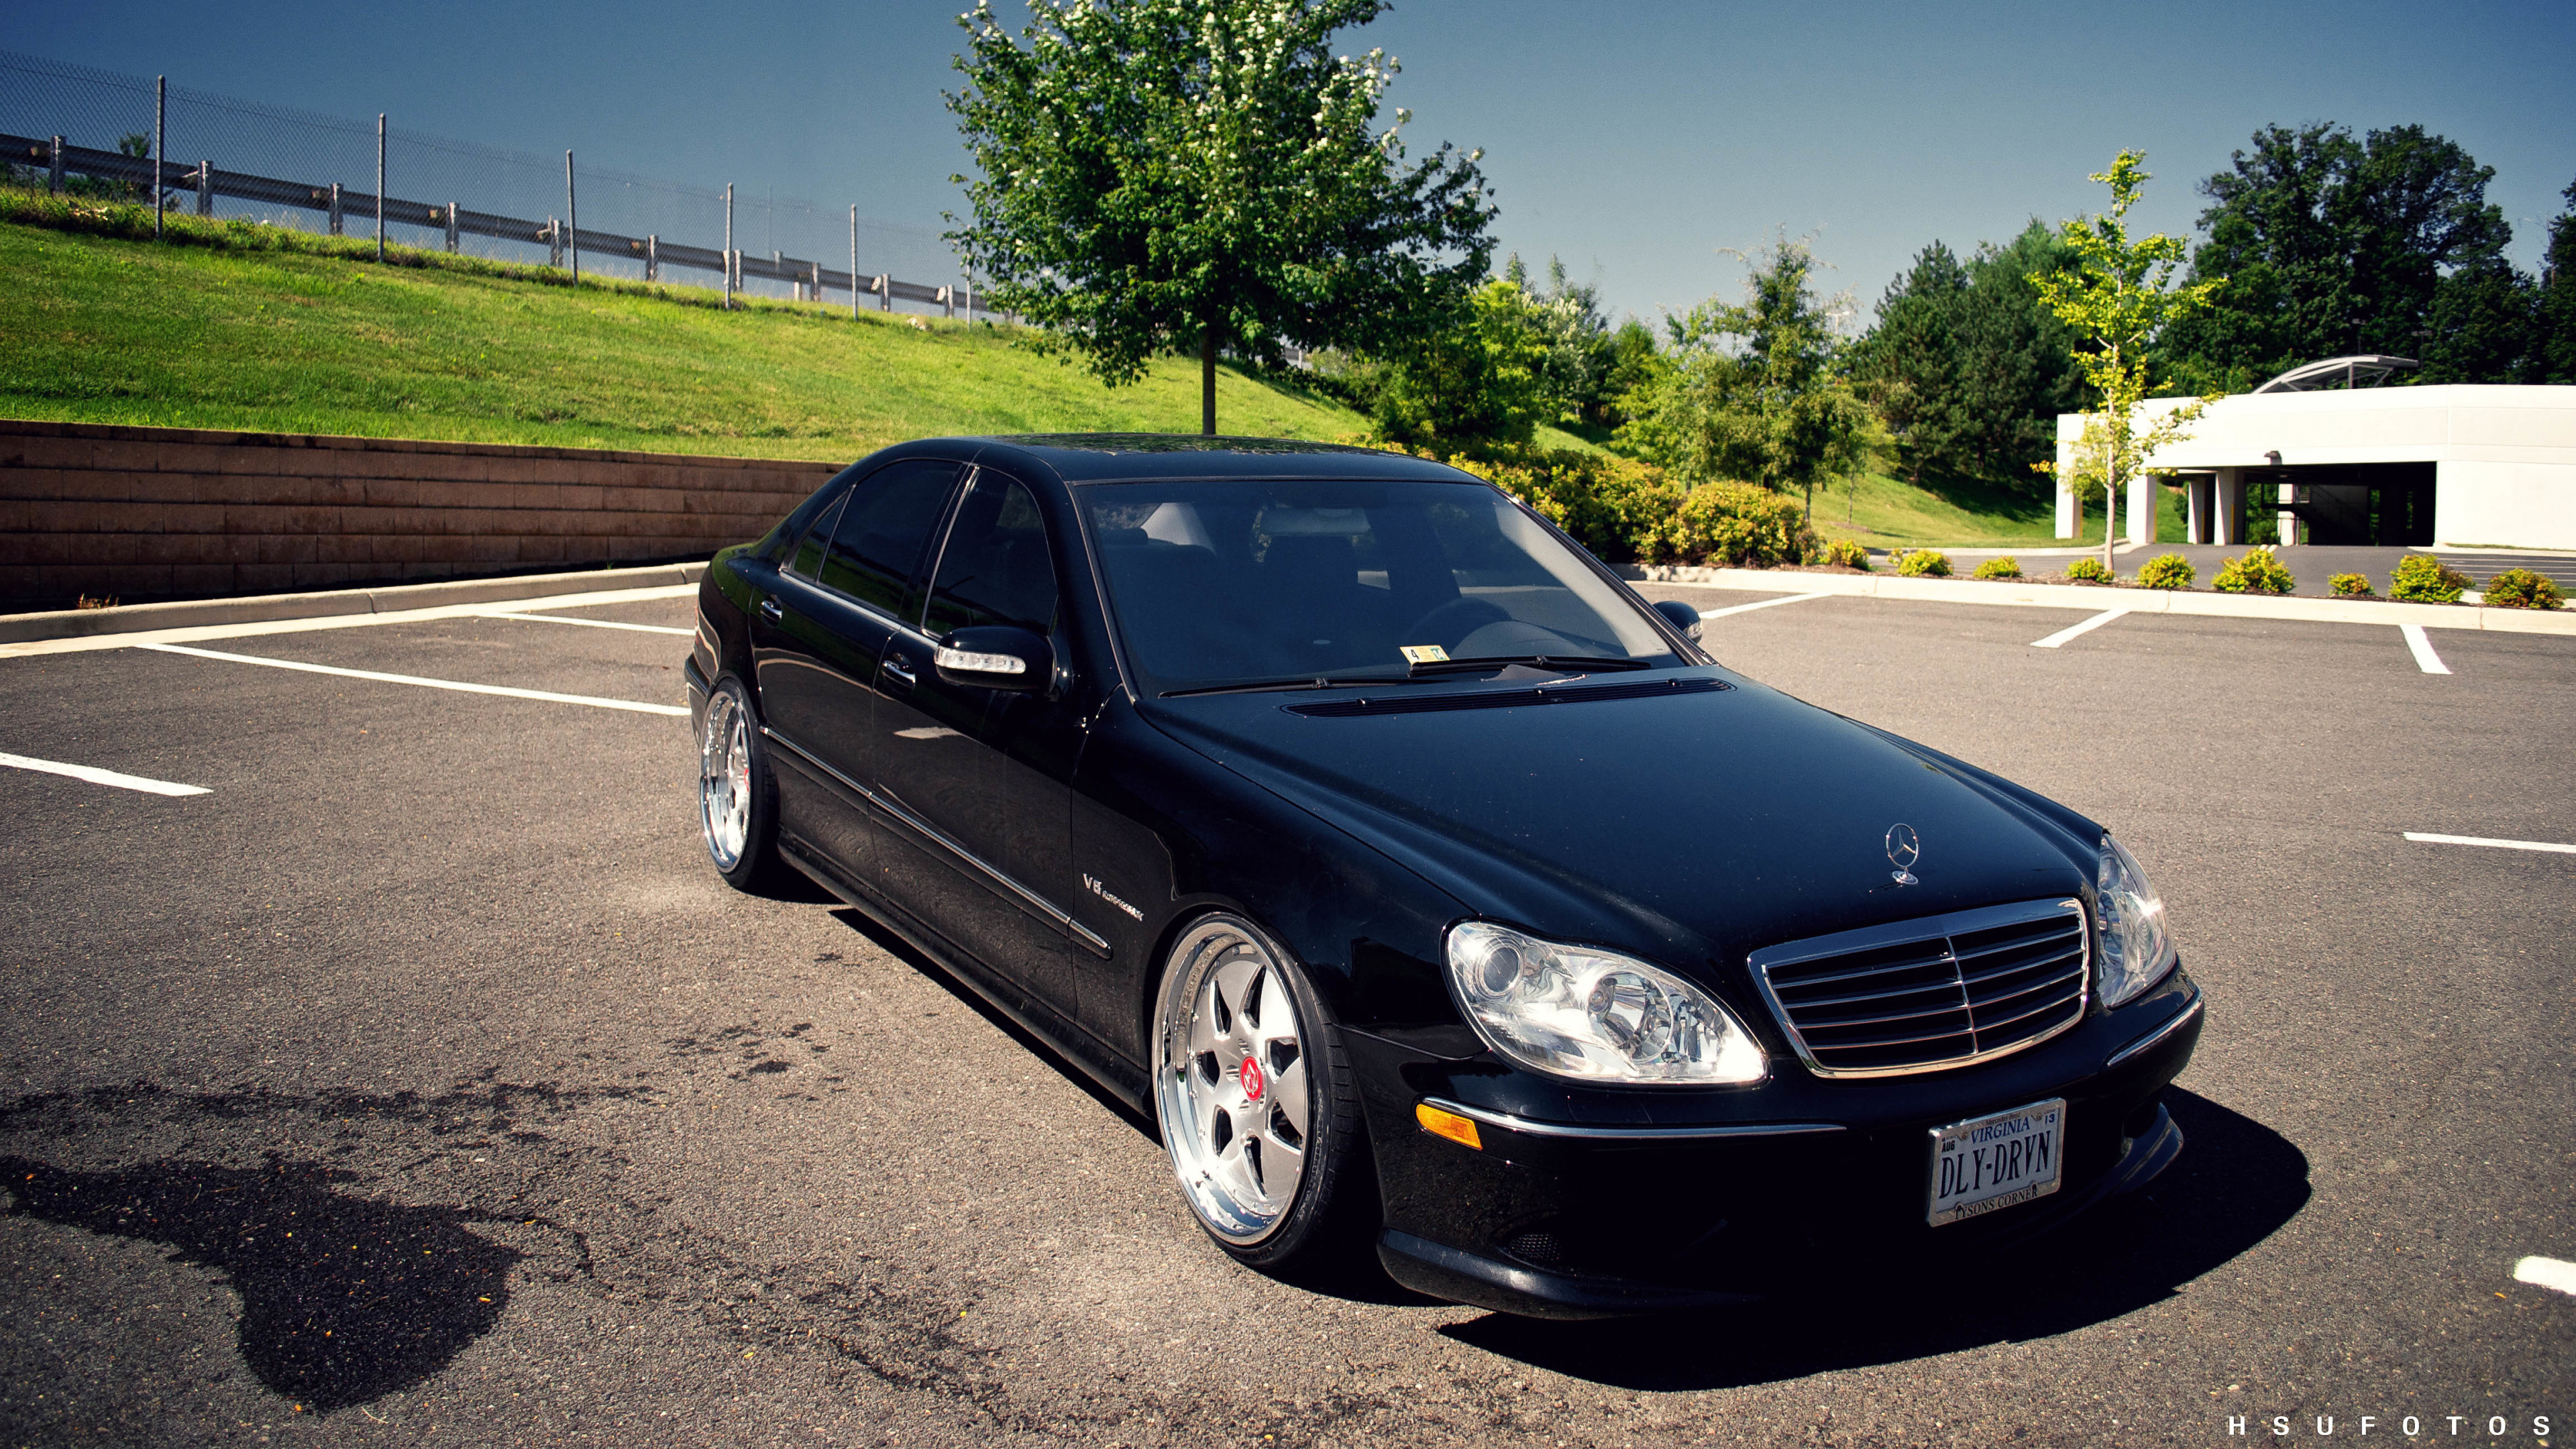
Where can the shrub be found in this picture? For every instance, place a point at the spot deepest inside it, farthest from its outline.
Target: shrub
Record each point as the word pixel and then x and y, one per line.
pixel 2088 570
pixel 1844 553
pixel 2167 571
pixel 2421 578
pixel 2523 589
pixel 2350 586
pixel 2255 573
pixel 1924 563
pixel 1731 523
pixel 2003 567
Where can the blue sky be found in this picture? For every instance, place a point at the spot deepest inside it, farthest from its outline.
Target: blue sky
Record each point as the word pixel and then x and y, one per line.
pixel 1635 140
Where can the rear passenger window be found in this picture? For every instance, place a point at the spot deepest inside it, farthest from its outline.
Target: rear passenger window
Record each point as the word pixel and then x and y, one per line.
pixel 808 559
pixel 877 546
pixel 995 568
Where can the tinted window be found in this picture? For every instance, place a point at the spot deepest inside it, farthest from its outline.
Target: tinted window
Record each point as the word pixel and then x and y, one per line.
pixel 876 548
pixel 808 559
pixel 1217 583
pixel 995 569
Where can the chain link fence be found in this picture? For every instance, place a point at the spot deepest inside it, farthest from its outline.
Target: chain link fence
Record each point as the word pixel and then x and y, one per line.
pixel 73 128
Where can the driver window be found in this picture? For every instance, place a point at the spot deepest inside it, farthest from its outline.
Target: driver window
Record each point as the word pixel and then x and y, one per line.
pixel 996 568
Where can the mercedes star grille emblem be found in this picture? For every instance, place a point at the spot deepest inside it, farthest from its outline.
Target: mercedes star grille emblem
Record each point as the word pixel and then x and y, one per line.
pixel 1903 849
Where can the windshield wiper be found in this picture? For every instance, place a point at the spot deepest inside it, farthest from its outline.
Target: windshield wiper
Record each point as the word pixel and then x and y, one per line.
pixel 1315 681
pixel 1569 663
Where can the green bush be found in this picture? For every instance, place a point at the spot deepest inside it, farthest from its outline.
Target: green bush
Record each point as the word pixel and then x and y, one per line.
pixel 2089 570
pixel 2003 567
pixel 1923 563
pixel 1730 523
pixel 2255 573
pixel 2523 589
pixel 1843 553
pixel 2421 578
pixel 2167 571
pixel 2350 586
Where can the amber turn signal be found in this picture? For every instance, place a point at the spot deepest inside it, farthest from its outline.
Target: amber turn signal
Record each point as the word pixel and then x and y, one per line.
pixel 1447 1124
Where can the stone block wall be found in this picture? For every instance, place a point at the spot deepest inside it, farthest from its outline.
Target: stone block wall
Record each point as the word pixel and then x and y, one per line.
pixel 144 514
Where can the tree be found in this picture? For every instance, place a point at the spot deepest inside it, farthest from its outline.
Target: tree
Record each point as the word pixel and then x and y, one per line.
pixel 1752 392
pixel 1566 319
pixel 2553 351
pixel 1205 174
pixel 1478 382
pixel 2334 245
pixel 2117 301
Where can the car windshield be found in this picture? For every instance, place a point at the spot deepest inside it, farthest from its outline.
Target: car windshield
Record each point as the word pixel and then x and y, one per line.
pixel 1235 583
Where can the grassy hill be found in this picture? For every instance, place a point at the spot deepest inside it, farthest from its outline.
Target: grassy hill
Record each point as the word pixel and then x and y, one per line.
pixel 106 330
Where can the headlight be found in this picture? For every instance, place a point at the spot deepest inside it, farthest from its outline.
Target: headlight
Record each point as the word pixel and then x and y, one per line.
pixel 1576 1012
pixel 2136 950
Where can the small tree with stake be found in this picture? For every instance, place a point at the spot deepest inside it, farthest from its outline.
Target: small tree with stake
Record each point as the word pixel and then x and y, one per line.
pixel 1205 174
pixel 2116 300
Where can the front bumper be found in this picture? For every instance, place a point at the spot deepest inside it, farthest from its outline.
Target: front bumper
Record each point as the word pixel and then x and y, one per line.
pixel 1577 1220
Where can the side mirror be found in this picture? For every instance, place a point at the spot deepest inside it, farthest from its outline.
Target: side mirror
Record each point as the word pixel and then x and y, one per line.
pixel 1682 616
pixel 996 656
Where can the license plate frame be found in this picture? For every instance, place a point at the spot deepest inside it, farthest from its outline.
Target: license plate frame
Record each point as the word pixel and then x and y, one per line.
pixel 1995 1161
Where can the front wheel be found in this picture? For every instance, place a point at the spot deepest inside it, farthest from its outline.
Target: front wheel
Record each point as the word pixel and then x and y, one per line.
pixel 1253 1094
pixel 737 796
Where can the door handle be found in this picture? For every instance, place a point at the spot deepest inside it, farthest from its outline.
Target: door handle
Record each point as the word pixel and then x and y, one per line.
pixel 895 671
pixel 771 610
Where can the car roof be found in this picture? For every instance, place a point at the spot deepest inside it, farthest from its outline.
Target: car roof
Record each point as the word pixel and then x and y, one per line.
pixel 1138 457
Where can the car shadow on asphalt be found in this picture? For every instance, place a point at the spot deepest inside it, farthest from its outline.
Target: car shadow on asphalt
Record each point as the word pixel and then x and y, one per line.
pixel 343 1300
pixel 2236 1183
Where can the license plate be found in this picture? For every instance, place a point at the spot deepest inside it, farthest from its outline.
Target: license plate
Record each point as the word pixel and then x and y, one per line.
pixel 1989 1163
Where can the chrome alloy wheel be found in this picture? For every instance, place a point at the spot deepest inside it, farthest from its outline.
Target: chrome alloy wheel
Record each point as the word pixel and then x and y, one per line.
pixel 1230 1081
pixel 724 778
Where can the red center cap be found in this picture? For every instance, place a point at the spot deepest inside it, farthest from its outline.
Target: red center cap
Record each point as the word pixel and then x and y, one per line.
pixel 1251 1077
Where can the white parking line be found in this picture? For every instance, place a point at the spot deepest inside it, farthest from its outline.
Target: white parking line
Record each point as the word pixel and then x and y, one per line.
pixel 594 623
pixel 1765 604
pixel 97 776
pixel 2075 630
pixel 2547 1273
pixel 2425 658
pixel 504 690
pixel 2553 848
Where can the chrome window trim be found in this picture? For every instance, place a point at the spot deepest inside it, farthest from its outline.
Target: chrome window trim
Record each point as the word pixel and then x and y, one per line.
pixel 1610 1133
pixel 1063 921
pixel 1925 930
pixel 2180 1020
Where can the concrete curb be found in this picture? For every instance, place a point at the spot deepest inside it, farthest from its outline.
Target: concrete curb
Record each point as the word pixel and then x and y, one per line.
pixel 264 608
pixel 2095 599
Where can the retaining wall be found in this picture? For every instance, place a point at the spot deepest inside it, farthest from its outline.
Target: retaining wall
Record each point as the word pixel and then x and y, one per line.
pixel 139 514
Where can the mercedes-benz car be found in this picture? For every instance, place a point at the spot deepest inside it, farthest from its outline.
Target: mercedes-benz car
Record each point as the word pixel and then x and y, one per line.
pixel 1411 871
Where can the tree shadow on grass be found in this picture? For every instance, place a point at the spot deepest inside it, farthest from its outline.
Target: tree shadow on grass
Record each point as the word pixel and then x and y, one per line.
pixel 2236 1183
pixel 343 1299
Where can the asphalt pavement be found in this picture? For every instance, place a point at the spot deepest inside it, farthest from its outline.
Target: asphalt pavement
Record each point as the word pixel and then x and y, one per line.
pixel 418 1083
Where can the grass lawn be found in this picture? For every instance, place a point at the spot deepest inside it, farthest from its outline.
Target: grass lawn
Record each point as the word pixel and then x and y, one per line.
pixel 1885 512
pixel 104 330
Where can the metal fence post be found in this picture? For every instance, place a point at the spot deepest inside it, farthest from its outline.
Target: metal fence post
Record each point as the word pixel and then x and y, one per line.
pixel 380 186
pixel 572 217
pixel 451 228
pixel 554 241
pixel 948 299
pixel 335 208
pixel 160 133
pixel 885 291
pixel 653 257
pixel 854 264
pixel 54 173
pixel 818 281
pixel 728 248
pixel 205 188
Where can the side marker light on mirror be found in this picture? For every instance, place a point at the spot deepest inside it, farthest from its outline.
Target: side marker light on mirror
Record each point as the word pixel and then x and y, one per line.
pixel 960 659
pixel 1457 1129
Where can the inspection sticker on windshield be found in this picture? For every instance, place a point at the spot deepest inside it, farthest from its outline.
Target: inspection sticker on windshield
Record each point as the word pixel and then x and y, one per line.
pixel 1424 654
pixel 1994 1162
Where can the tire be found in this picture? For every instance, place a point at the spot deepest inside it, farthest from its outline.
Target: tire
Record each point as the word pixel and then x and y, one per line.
pixel 1242 1042
pixel 737 794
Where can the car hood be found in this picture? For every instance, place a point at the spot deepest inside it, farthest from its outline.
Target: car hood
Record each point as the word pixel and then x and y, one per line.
pixel 1694 824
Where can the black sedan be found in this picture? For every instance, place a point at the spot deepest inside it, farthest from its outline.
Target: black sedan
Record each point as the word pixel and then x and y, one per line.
pixel 1416 875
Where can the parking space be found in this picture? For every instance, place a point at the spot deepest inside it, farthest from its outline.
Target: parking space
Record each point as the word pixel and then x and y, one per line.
pixel 444 975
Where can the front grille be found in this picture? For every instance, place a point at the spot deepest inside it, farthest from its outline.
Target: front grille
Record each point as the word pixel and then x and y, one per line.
pixel 1938 992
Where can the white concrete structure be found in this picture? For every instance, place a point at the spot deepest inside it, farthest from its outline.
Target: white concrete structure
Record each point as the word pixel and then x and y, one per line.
pixel 2496 464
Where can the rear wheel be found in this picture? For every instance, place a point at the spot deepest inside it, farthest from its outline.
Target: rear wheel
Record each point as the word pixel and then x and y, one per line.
pixel 1253 1094
pixel 737 796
